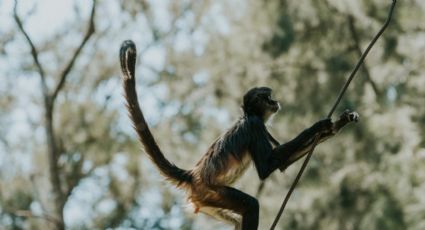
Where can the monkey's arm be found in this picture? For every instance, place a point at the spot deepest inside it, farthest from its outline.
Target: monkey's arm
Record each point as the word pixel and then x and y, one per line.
pixel 267 159
pixel 298 153
pixel 260 147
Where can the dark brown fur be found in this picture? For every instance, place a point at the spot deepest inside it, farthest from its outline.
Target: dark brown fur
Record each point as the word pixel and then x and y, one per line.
pixel 207 184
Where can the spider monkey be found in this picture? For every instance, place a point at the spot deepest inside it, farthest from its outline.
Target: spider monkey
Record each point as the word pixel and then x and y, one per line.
pixel 208 183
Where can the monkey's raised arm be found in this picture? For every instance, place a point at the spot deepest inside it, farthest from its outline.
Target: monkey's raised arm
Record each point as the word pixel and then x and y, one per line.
pixel 343 120
pixel 267 159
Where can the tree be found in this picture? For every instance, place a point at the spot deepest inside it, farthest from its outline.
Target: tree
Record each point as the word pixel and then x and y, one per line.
pixel 196 60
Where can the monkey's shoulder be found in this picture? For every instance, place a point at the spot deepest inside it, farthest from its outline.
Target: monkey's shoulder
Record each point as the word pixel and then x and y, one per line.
pixel 250 124
pixel 254 127
pixel 244 130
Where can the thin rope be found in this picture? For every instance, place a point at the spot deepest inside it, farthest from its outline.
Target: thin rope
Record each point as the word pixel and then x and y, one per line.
pixel 341 94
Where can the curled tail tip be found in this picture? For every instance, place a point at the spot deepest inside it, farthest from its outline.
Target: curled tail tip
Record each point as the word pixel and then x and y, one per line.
pixel 128 46
pixel 128 54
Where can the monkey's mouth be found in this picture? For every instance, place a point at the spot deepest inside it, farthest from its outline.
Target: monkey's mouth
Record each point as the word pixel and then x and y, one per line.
pixel 274 106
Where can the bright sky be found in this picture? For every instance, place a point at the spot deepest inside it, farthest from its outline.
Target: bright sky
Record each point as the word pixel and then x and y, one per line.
pixel 48 17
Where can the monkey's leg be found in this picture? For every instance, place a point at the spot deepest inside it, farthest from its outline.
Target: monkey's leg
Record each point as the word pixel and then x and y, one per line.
pixel 224 215
pixel 232 217
pixel 238 202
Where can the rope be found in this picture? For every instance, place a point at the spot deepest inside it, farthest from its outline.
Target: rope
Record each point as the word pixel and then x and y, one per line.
pixel 341 94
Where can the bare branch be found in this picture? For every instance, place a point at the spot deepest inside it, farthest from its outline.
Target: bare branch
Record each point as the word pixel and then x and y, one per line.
pixel 357 47
pixel 359 52
pixel 59 197
pixel 156 34
pixel 36 193
pixel 30 214
pixel 34 52
pixel 77 171
pixel 77 176
pixel 90 31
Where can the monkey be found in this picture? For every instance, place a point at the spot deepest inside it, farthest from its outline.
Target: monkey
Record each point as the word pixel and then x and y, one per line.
pixel 208 183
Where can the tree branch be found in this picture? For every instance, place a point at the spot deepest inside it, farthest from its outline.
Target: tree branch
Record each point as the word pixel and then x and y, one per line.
pixel 357 47
pixel 90 31
pixel 156 34
pixel 30 214
pixel 359 52
pixel 58 197
pixel 78 176
pixel 34 52
pixel 50 136
pixel 36 193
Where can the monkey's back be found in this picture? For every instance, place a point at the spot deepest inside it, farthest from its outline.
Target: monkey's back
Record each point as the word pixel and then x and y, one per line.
pixel 226 159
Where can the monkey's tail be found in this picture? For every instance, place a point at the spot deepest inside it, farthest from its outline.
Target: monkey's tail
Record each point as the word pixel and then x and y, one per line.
pixel 173 173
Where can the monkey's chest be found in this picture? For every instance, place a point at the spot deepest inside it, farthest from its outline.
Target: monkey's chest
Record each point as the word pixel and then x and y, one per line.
pixel 235 168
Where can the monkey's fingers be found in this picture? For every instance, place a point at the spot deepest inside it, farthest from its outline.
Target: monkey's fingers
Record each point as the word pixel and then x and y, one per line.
pixel 349 116
pixel 354 116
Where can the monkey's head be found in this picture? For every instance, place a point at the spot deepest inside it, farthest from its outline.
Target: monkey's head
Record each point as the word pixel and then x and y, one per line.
pixel 258 101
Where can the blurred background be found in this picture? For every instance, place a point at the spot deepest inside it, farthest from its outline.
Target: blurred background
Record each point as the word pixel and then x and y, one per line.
pixel 69 158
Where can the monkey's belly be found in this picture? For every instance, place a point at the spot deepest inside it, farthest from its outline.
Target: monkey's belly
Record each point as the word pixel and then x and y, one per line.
pixel 235 169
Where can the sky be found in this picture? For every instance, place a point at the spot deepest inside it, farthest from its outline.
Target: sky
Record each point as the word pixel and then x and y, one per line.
pixel 42 20
pixel 46 18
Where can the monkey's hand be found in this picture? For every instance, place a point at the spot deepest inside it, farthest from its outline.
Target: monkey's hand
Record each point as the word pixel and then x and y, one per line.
pixel 346 117
pixel 325 127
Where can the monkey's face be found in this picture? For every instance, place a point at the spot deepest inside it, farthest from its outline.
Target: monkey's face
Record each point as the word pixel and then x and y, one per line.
pixel 258 101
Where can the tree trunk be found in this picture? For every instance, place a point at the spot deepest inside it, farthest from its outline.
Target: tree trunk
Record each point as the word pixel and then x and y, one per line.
pixel 53 154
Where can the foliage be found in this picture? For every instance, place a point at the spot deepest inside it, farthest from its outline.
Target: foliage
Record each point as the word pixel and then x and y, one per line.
pixel 197 58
